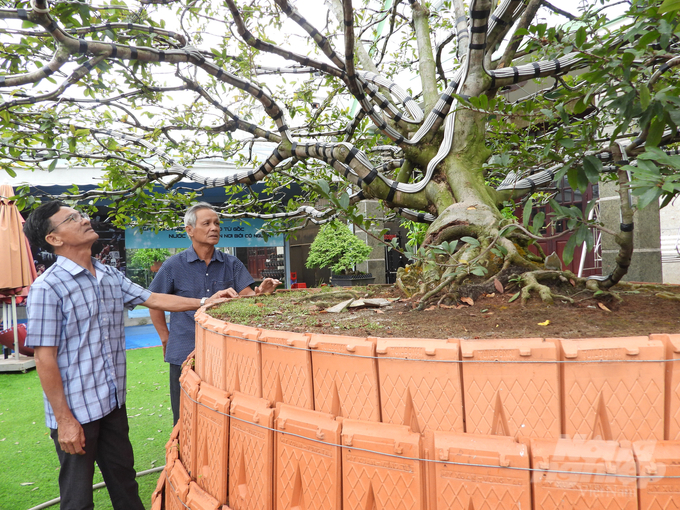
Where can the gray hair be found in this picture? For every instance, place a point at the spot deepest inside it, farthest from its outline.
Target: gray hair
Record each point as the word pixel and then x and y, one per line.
pixel 190 215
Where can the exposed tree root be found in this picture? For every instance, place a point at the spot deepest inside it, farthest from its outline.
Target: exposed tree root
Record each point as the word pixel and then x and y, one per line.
pixel 669 295
pixel 532 283
pixel 474 267
pixel 428 295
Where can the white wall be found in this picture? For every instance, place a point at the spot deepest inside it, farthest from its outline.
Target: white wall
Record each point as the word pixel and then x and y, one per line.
pixel 670 238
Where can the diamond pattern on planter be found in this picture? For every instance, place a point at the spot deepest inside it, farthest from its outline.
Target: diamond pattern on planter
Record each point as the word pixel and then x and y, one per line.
pixel 251 453
pixel 632 393
pixel 345 386
pixel 530 396
pixel 381 478
pixel 287 369
pixel 422 380
pixel 308 472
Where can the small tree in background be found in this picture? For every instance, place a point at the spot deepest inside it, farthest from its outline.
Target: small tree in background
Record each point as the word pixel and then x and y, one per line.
pixel 147 257
pixel 338 248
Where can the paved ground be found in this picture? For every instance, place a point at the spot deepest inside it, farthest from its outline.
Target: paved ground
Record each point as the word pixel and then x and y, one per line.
pixel 137 337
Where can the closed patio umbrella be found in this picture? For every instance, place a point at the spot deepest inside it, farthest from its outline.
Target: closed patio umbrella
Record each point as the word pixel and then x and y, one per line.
pixel 17 270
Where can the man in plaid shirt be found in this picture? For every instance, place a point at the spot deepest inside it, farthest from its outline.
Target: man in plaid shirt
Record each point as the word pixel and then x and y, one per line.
pixel 76 326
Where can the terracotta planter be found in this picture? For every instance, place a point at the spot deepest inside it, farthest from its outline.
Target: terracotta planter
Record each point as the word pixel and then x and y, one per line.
pixel 546 421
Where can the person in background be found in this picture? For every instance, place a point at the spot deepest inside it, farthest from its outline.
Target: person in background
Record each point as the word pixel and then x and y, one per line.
pixel 197 272
pixel 76 327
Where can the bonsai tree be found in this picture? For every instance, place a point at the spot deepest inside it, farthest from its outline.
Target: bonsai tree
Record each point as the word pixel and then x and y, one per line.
pixel 438 132
pixel 338 248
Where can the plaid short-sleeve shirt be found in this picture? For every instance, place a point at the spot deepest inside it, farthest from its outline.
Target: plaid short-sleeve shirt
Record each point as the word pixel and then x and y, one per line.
pixel 82 316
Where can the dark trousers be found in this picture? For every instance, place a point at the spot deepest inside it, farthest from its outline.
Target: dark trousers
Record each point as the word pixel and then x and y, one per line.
pixel 108 444
pixel 175 372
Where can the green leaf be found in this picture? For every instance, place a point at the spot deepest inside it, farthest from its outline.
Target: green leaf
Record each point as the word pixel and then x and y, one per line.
pixel 656 154
pixel 580 106
pixel 479 271
pixel 651 195
pixel 645 96
pixel 627 58
pixel 581 235
pixel 526 214
pixel 647 39
pixel 323 184
pixel 470 240
pixel 344 201
pixel 513 298
pixel 52 166
pixel 592 166
pixel 580 37
pixel 539 219
pixel 668 6
pixel 568 253
pixel 655 132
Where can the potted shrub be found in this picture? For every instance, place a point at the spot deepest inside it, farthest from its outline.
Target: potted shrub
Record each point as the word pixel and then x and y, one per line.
pixel 337 248
pixel 149 258
pixel 144 261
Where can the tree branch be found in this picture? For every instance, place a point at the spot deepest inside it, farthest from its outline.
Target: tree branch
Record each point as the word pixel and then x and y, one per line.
pixel 524 22
pixel 567 15
pixel 426 64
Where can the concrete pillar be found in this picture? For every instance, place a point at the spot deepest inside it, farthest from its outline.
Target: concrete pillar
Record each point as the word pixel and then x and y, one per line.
pixel 376 261
pixel 646 262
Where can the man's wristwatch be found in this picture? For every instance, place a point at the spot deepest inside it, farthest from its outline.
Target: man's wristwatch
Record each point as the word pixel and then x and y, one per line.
pixel 203 300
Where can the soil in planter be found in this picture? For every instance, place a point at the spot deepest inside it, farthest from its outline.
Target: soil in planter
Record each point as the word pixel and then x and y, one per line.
pixel 641 311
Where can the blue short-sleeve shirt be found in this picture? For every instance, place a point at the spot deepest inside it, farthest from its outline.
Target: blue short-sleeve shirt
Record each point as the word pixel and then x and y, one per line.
pixel 185 274
pixel 82 315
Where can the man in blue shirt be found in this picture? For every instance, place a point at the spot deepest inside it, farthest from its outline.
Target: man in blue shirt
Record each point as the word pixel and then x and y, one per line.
pixel 199 271
pixel 76 326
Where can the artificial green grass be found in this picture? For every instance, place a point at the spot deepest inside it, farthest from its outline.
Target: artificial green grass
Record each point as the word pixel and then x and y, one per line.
pixel 29 466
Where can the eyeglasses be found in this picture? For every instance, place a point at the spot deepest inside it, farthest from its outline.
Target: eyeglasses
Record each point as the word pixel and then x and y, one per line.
pixel 75 217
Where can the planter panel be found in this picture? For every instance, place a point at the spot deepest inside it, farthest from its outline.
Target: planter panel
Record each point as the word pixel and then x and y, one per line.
pixel 198 499
pixel 502 399
pixel 215 358
pixel 574 473
pixel 251 456
pixel 212 441
pixel 614 388
pixel 190 384
pixel 659 461
pixel 287 368
pixel 177 487
pixel 420 383
pixel 158 496
pixel 460 482
pixel 345 377
pixel 672 386
pixel 308 472
pixel 387 476
pixel 244 360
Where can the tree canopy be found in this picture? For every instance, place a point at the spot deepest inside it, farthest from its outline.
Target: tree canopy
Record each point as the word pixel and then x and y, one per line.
pixel 418 106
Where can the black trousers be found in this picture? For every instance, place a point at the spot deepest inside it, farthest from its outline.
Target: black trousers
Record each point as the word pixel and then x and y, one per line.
pixel 175 373
pixel 107 443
